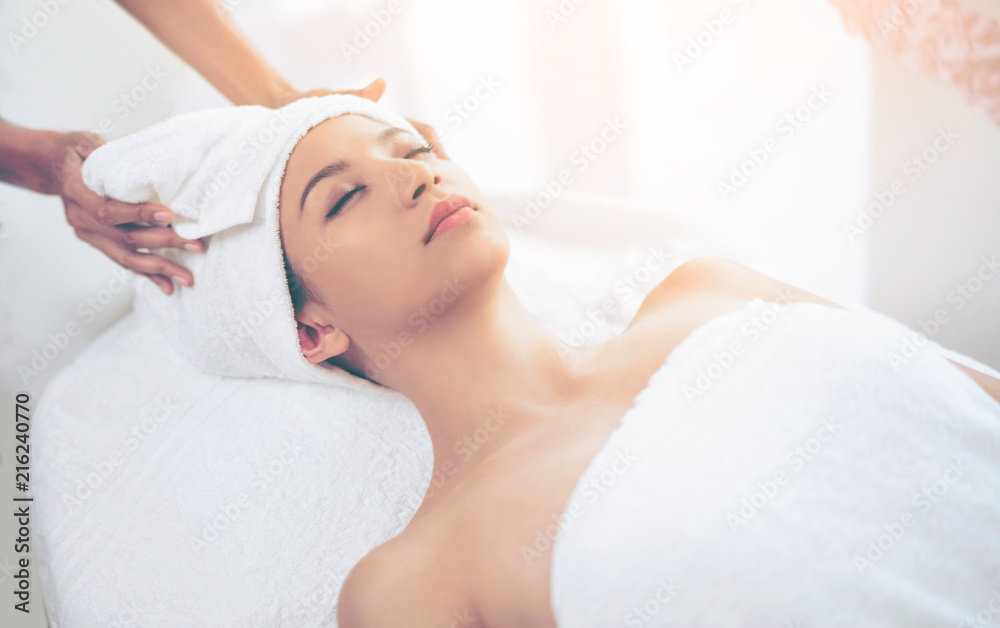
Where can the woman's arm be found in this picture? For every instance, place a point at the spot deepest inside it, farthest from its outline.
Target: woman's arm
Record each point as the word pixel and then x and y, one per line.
pixel 987 382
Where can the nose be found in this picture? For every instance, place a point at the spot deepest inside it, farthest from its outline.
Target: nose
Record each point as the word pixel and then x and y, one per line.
pixel 412 180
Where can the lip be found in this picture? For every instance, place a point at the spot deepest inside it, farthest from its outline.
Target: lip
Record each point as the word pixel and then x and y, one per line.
pixel 442 210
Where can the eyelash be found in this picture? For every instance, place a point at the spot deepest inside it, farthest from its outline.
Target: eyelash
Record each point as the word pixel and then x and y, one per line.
pixel 417 151
pixel 361 188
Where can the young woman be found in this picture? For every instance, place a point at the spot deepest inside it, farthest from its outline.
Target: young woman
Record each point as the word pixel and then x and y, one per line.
pixel 375 227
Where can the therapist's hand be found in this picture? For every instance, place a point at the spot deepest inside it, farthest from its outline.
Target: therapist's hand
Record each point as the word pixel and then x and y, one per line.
pixel 372 92
pixel 432 139
pixel 109 225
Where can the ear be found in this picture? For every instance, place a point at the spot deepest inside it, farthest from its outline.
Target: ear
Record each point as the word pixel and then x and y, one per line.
pixel 319 340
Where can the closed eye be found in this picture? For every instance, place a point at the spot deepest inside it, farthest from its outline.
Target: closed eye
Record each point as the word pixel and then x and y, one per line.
pixel 347 197
pixel 343 200
pixel 417 151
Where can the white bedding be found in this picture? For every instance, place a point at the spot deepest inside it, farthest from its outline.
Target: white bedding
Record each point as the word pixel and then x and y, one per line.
pixel 231 502
pixel 246 502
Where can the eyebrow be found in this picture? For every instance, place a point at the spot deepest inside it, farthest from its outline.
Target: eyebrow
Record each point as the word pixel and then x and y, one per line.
pixel 336 168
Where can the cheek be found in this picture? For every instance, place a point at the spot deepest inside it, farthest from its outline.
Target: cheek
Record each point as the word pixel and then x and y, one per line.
pixel 375 283
pixel 458 176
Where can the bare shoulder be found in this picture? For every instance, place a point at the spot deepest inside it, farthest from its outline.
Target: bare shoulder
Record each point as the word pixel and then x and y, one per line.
pixel 734 278
pixel 406 581
pixel 718 277
pixel 376 578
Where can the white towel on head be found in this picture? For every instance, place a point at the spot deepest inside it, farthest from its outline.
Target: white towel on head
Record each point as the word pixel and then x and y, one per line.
pixel 220 171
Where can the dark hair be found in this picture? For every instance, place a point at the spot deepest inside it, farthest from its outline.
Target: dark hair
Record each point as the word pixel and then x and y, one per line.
pixel 298 288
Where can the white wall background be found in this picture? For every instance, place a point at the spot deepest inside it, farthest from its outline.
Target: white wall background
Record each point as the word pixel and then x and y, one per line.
pixel 934 238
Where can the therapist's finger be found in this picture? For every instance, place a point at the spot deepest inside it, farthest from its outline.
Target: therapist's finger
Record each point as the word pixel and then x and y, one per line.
pixel 110 212
pixel 143 263
pixel 161 282
pixel 85 142
pixel 153 238
pixel 104 210
pixel 373 92
pixel 131 235
pixel 427 131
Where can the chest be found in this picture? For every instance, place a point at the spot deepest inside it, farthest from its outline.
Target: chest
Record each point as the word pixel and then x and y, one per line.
pixel 509 527
pixel 497 531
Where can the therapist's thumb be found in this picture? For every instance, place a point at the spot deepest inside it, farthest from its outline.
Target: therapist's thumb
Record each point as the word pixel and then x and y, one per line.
pixel 85 143
pixel 374 90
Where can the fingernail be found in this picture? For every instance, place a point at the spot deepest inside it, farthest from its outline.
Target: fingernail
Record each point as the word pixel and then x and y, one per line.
pixel 162 216
pixel 180 280
pixel 194 247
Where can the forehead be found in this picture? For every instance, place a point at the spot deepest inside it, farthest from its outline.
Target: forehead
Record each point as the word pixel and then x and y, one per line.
pixel 330 137
pixel 345 127
pixel 324 143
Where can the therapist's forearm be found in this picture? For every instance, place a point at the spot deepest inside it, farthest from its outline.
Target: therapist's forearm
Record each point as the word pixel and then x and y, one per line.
pixel 26 157
pixel 195 31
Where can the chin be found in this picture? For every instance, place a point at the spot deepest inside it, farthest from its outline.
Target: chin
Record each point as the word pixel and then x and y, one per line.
pixel 473 262
pixel 481 249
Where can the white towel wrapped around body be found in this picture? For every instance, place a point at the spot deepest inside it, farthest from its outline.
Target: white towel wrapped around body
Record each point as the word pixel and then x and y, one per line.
pixel 788 466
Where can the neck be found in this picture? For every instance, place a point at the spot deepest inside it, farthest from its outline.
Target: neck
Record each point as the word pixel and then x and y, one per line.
pixel 483 373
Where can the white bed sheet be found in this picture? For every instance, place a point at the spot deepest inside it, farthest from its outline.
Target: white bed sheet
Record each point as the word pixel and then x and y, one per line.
pixel 167 497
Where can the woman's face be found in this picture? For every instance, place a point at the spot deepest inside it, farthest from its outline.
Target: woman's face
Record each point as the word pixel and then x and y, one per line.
pixel 357 203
